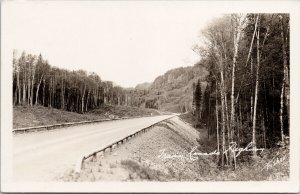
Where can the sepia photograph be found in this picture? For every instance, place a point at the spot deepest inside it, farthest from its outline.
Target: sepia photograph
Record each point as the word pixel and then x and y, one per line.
pixel 149 96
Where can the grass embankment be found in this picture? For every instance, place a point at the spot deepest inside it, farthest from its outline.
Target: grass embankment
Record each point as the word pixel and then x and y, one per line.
pixel 26 116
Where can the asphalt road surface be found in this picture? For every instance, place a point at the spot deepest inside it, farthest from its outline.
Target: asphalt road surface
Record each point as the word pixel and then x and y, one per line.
pixel 42 156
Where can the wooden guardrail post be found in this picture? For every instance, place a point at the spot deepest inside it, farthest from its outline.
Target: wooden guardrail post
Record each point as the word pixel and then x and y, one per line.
pixel 94 157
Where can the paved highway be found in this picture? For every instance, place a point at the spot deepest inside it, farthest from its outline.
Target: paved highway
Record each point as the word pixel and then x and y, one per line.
pixel 42 156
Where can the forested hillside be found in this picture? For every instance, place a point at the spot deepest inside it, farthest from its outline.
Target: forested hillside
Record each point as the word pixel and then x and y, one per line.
pixel 143 86
pixel 176 87
pixel 173 90
pixel 247 95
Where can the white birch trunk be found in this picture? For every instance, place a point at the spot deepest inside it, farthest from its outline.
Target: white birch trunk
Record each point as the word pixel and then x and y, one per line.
pixel 37 90
pixel 256 96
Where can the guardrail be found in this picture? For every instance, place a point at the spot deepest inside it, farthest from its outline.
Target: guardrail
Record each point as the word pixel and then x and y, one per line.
pixel 56 126
pixel 80 163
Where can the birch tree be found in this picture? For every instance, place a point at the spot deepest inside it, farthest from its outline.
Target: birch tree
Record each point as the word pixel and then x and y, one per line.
pixel 239 22
pixel 256 90
pixel 285 75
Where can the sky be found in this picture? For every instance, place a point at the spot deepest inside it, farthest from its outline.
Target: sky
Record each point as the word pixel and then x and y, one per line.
pixel 127 42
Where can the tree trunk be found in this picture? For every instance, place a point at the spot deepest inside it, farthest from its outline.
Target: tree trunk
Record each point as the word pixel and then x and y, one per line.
pixel 264 133
pixel 285 85
pixel 256 95
pixel 24 85
pixel 28 90
pixel 82 99
pixel 15 92
pixel 77 102
pixel 238 32
pixel 227 123
pixel 62 94
pixel 281 111
pixel 44 87
pixel 87 101
pixel 32 86
pixel 209 115
pixel 37 90
pixel 50 92
pixel 217 118
pixel 53 92
pixel 18 85
pixel 240 125
pixel 249 57
pixel 223 116
pixel 251 88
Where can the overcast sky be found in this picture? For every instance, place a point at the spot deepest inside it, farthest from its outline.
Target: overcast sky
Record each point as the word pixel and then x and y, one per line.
pixel 124 42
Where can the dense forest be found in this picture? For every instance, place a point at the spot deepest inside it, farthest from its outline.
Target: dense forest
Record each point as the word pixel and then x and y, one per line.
pixel 247 94
pixel 35 82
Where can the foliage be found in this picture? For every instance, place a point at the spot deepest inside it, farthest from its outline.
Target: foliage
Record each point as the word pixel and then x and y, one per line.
pixel 173 91
pixel 247 94
pixel 197 98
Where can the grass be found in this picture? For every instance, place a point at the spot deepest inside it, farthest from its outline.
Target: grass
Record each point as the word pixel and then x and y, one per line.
pixel 271 165
pixel 124 111
pixel 188 117
pixel 27 116
pixel 111 165
pixel 254 169
pixel 141 172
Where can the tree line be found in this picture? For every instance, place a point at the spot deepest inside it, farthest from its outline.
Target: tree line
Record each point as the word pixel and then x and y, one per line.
pixel 247 94
pixel 36 82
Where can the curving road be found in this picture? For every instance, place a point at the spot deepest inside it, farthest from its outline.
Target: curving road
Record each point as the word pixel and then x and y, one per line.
pixel 43 156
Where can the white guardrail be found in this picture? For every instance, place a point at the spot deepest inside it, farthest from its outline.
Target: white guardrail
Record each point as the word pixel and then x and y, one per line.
pixel 80 163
